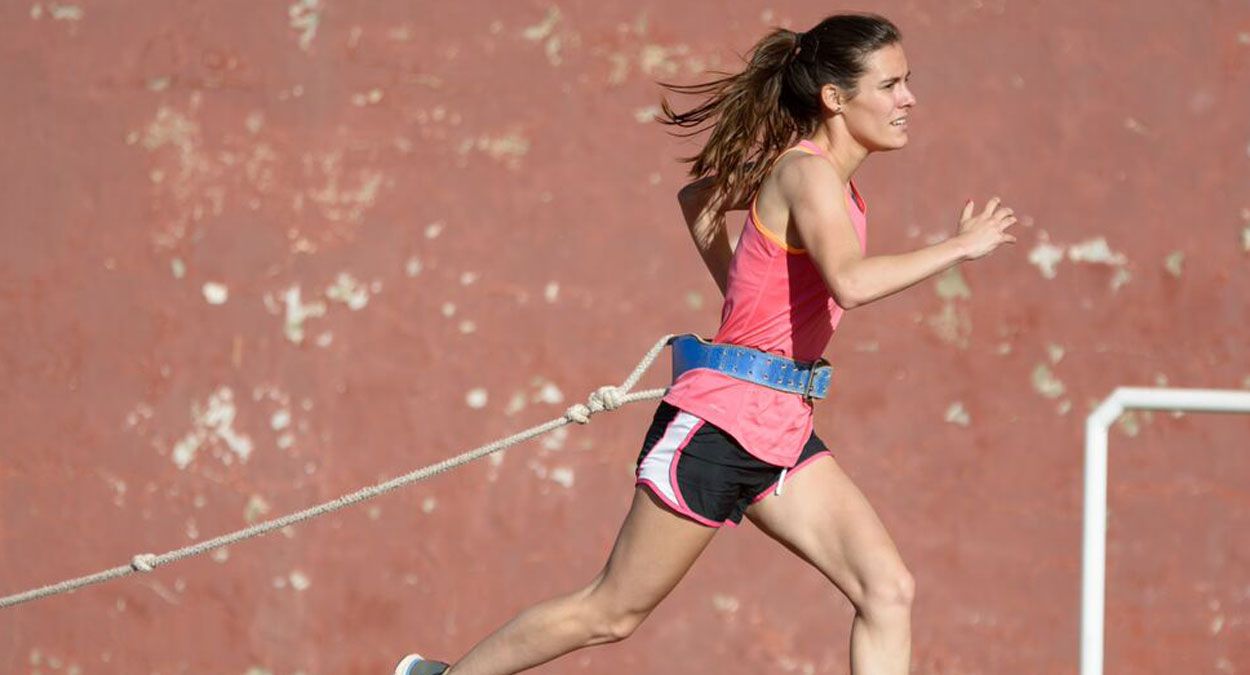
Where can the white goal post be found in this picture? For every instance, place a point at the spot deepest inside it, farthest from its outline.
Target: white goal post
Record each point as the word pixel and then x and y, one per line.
pixel 1094 544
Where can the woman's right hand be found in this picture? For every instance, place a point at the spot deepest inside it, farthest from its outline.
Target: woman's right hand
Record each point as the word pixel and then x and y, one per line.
pixel 985 231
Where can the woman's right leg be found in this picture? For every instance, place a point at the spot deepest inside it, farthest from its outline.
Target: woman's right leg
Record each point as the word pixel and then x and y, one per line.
pixel 653 551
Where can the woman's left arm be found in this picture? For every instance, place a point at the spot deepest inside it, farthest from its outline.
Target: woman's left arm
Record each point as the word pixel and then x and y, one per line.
pixel 706 220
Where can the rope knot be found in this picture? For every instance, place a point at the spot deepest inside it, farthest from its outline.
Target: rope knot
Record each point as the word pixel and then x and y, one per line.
pixel 608 397
pixel 143 562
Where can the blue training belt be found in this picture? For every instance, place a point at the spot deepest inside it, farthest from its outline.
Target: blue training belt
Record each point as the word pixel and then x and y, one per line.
pixel 809 380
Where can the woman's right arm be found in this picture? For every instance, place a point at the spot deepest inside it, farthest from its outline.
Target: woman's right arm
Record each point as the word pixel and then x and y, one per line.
pixel 824 225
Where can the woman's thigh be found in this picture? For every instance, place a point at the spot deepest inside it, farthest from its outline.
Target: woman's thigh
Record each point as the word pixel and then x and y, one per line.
pixel 824 518
pixel 653 551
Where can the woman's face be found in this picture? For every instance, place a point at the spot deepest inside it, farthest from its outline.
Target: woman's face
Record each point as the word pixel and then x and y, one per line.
pixel 877 115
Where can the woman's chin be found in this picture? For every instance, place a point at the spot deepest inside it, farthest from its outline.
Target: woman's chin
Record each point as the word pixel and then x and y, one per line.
pixel 895 143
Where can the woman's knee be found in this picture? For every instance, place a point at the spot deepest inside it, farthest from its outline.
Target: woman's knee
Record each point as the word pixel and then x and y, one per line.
pixel 887 592
pixel 613 620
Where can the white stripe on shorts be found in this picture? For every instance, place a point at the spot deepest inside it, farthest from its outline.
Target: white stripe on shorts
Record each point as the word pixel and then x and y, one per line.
pixel 657 466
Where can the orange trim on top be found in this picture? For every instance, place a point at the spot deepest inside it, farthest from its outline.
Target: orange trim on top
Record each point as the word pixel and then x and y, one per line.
pixel 759 226
pixel 755 216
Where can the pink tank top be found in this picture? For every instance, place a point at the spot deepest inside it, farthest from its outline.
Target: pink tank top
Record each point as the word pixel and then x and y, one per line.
pixel 776 302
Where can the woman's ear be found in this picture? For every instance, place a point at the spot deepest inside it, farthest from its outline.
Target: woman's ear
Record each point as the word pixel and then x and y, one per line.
pixel 831 97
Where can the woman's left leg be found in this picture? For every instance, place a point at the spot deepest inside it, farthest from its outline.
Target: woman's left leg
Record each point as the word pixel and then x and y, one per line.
pixel 825 519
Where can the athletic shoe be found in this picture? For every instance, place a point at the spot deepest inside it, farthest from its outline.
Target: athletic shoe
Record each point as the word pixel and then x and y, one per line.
pixel 413 664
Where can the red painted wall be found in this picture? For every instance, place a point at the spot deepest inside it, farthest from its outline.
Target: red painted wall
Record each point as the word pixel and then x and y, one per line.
pixel 257 255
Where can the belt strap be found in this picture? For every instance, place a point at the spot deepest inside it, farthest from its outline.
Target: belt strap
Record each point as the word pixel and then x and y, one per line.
pixel 809 380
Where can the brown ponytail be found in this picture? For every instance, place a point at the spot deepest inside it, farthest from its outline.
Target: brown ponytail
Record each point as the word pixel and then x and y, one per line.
pixel 759 112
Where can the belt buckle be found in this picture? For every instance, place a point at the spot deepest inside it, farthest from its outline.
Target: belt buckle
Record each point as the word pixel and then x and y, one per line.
pixel 811 378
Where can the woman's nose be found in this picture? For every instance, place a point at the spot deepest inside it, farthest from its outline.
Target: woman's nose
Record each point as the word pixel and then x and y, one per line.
pixel 909 99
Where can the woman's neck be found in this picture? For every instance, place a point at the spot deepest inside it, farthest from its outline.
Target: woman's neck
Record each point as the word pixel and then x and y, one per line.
pixel 839 147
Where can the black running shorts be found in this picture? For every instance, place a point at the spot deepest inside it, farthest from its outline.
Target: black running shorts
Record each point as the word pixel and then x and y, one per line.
pixel 704 474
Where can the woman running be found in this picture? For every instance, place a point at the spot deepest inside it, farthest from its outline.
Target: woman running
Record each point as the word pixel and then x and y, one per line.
pixel 787 135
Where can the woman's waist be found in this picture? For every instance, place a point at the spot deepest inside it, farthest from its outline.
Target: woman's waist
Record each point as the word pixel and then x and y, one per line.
pixel 805 346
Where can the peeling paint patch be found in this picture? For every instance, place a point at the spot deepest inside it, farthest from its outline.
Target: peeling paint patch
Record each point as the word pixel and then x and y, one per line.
pixel 1130 423
pixel 337 200
pixel 1055 353
pixel 433 230
pixel 58 12
pixel 1045 382
pixel 548 392
pixel 372 97
pixel 349 291
pixel 1046 256
pixel 647 114
pixel 1135 126
pixel 552 291
pixel 553 41
pixel 1245 239
pixel 1095 251
pixel 544 28
pixel 620 68
pixel 563 475
pixel 213 422
pixel 255 509
pixel 694 300
pixel 957 414
pixel 254 122
pixel 466 327
pixel 296 313
pixel 515 404
pixel 305 16
pixel 468 278
pixel 660 60
pixel 952 325
pixel 216 293
pixel 177 268
pixel 1120 278
pixel 280 420
pixel 449 309
pixel 1175 263
pixel 429 504
pixel 412 267
pixel 188 189
pixel 951 285
pixel 142 413
pixel 555 440
pixel 476 398
pixel 725 603
pixel 508 148
pixel 654 60
pixel 299 580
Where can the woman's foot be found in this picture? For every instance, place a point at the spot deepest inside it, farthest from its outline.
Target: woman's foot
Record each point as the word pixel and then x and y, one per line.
pixel 413 664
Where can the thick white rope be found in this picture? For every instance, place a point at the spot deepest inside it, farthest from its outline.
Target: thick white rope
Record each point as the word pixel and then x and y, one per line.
pixel 604 398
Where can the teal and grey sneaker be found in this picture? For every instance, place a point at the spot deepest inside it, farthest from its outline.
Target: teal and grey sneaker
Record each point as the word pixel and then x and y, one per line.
pixel 413 664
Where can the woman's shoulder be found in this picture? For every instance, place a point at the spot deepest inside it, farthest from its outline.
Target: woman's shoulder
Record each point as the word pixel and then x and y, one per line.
pixel 798 173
